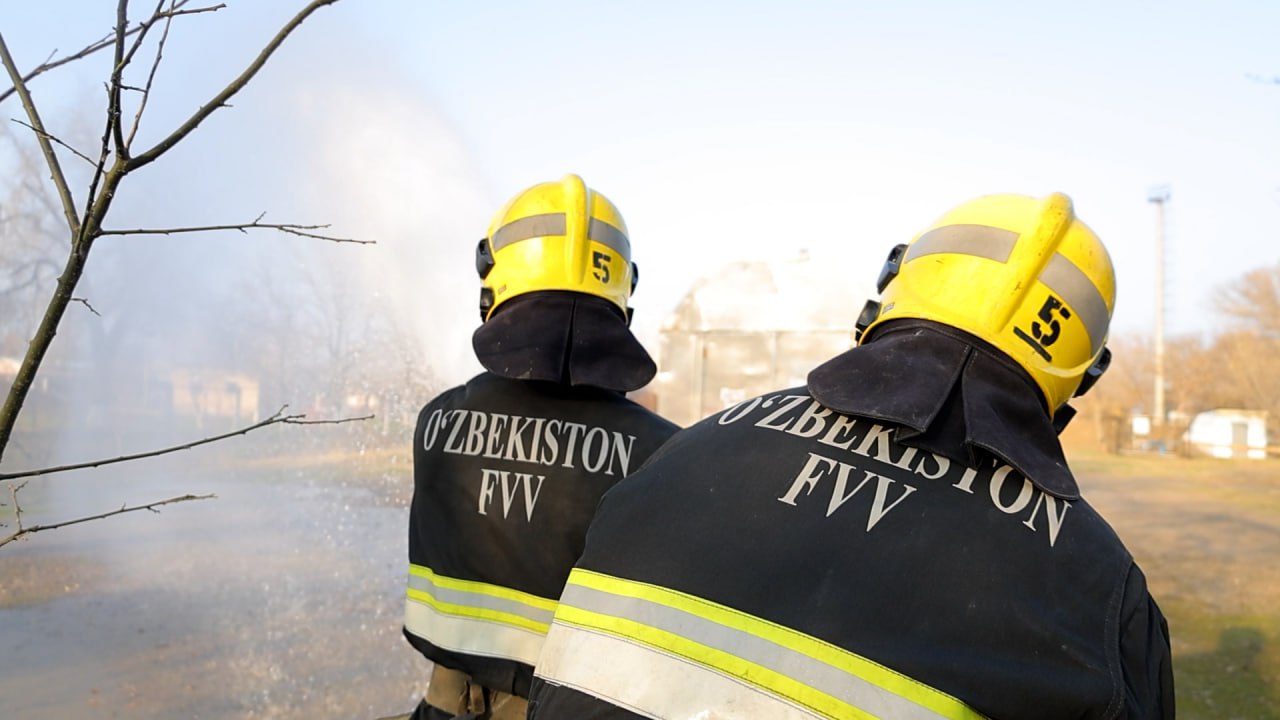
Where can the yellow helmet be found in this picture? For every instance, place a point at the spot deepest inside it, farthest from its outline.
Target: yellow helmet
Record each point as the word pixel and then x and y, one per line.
pixel 556 236
pixel 1021 273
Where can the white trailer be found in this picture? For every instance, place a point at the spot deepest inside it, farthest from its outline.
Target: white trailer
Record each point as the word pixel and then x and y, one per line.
pixel 1228 433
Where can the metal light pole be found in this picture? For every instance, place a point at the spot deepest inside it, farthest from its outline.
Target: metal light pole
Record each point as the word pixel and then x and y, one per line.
pixel 1159 196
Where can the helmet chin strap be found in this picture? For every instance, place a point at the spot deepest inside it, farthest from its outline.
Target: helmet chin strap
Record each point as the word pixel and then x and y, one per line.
pixel 1094 372
pixel 1064 414
pixel 888 272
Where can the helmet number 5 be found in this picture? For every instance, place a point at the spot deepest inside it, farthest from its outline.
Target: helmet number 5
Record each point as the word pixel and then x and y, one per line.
pixel 600 261
pixel 1042 336
pixel 1049 336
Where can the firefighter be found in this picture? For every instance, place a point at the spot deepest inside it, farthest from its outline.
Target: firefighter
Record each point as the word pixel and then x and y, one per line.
pixel 899 538
pixel 509 467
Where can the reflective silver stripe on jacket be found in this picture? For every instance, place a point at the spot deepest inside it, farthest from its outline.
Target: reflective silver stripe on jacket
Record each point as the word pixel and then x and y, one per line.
pixel 610 632
pixel 476 618
pixel 480 600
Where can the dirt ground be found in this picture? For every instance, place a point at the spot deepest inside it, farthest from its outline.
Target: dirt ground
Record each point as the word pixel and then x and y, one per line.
pixel 282 597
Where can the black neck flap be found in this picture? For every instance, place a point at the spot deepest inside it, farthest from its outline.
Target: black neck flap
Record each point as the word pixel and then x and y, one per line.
pixel 950 394
pixel 563 337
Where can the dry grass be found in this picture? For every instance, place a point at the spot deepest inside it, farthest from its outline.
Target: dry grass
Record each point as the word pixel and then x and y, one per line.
pixel 1207 535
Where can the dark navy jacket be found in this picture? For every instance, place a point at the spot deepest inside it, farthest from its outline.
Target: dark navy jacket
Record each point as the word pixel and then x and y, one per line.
pixel 507 475
pixel 948 561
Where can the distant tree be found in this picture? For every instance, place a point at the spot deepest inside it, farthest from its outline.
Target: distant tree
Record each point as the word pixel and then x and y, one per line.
pixel 1122 390
pixel 1126 386
pixel 1247 375
pixel 32 244
pixel 1247 352
pixel 310 331
pixel 1253 301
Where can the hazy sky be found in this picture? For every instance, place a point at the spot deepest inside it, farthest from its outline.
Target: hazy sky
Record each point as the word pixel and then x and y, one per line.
pixel 723 130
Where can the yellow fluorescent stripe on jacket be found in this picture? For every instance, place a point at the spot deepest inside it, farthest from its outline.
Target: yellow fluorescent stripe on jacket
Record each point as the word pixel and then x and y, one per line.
pixel 725 635
pixel 476 618
pixel 477 613
pixel 482 588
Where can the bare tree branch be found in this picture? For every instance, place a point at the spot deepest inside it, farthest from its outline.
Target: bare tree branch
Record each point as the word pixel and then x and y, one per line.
pixel 55 167
pixel 117 75
pixel 46 66
pixel 124 57
pixel 17 507
pixel 24 531
pixel 299 231
pixel 257 224
pixel 278 418
pixel 339 421
pixel 151 76
pixel 106 42
pixel 230 90
pixel 55 138
pixel 174 12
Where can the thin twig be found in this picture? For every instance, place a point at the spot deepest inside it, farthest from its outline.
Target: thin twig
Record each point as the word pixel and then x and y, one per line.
pixel 257 224
pixel 299 231
pixel 55 167
pixel 83 239
pixel 17 507
pixel 151 76
pixel 339 421
pixel 56 139
pixel 21 531
pixel 95 206
pixel 229 91
pixel 278 418
pixel 107 41
pixel 85 302
pixel 192 11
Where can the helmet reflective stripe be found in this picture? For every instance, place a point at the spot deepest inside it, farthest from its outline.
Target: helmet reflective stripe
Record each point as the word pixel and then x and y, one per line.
pixel 980 240
pixel 800 676
pixel 476 617
pixel 528 227
pixel 611 237
pixel 1060 275
pixel 1072 285
pixel 549 224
